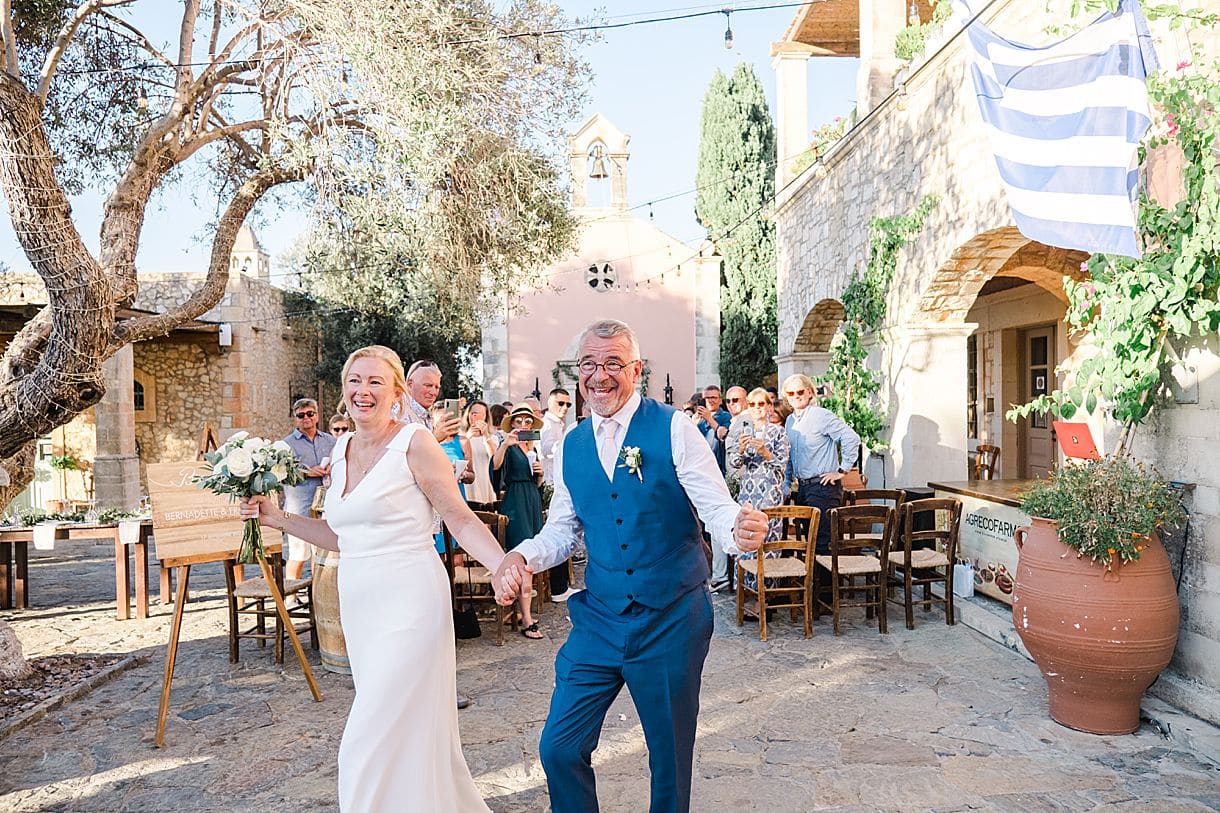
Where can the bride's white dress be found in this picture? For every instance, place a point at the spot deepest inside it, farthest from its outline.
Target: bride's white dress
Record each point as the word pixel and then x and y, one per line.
pixel 401 752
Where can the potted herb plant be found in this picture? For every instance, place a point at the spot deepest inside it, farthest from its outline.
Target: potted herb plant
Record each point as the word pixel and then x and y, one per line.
pixel 1095 601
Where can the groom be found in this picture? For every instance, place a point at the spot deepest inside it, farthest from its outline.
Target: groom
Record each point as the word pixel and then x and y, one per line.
pixel 634 481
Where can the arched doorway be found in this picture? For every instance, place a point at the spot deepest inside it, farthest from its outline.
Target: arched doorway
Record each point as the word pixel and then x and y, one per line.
pixel 811 349
pixel 1006 292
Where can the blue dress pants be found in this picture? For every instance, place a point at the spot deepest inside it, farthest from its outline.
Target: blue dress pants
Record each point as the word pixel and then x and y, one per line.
pixel 659 655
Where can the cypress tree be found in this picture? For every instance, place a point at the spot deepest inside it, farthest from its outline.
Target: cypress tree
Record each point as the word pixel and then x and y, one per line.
pixel 736 182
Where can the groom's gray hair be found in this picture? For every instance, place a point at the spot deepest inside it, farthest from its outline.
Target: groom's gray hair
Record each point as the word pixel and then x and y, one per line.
pixel 608 329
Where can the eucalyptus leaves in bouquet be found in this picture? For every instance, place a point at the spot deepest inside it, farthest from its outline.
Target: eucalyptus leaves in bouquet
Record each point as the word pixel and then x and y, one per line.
pixel 247 466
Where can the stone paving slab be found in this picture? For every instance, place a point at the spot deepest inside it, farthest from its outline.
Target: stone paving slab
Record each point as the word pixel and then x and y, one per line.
pixel 934 719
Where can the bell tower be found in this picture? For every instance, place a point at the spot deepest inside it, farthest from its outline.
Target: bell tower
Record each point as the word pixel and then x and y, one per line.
pixel 597 151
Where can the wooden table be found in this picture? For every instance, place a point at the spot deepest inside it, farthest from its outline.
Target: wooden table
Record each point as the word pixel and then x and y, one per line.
pixel 14 564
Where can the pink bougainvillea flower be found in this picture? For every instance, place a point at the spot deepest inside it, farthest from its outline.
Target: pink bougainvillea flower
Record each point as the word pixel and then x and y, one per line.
pixel 1183 66
pixel 1084 267
pixel 1173 125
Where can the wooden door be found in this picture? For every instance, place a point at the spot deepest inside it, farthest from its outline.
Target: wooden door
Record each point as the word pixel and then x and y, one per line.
pixel 1038 440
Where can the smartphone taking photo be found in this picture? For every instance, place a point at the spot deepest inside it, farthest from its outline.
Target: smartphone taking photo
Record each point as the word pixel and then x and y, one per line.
pixel 528 434
pixel 452 408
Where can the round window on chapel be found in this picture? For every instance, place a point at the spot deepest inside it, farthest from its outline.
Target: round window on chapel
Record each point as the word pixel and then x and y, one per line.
pixel 601 276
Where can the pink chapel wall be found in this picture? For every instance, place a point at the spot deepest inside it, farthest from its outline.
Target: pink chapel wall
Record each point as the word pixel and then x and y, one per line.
pixel 665 314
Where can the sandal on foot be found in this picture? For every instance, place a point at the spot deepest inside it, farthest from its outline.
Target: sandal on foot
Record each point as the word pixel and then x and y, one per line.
pixel 532 628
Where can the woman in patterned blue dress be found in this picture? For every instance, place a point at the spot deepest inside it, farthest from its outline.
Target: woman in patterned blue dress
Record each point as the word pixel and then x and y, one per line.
pixel 761 454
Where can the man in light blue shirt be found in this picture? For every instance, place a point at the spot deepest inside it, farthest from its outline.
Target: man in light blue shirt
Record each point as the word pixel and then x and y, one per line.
pixel 313 450
pixel 823 448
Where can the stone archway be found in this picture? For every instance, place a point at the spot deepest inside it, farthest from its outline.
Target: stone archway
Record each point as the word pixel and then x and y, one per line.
pixel 819 327
pixel 811 348
pixel 1003 252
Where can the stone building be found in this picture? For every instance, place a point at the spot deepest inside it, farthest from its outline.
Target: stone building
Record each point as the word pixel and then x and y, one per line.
pixel 239 366
pixel 623 268
pixel 975 313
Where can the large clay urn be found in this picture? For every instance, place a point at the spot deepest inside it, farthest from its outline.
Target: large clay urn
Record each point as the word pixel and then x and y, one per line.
pixel 1100 637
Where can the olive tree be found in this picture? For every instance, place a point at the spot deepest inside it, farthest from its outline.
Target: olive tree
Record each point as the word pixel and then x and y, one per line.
pixel 433 109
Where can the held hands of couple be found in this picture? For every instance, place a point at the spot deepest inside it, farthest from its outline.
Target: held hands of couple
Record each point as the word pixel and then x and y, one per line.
pixel 513 577
pixel 750 529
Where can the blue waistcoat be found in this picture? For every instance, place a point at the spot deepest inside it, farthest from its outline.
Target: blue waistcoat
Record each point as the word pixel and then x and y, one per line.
pixel 644 540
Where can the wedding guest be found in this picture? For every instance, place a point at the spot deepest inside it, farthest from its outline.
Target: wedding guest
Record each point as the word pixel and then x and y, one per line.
pixel 339 424
pixel 498 413
pixel 389 478
pixel 517 478
pixel 313 450
pixel 554 424
pixel 823 449
pixel 761 453
pixel 478 432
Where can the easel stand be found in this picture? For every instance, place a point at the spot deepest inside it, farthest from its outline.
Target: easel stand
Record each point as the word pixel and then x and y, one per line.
pixel 184 573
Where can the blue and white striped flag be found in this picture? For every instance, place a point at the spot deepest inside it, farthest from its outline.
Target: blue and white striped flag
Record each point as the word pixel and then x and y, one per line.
pixel 1065 122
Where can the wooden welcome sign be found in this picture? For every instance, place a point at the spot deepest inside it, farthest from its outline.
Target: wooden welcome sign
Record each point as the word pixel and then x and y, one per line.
pixel 192 525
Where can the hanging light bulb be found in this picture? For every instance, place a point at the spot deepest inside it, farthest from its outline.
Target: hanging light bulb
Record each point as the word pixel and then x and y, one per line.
pixel 901 103
pixel 679 269
pixel 913 14
pixel 537 54
pixel 142 98
pixel 650 212
pixel 728 32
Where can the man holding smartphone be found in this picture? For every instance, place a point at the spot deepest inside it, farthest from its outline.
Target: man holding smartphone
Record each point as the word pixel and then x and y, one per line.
pixel 313 450
pixel 423 388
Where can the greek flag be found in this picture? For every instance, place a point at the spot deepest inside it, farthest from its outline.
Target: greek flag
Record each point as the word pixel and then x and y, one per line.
pixel 1065 122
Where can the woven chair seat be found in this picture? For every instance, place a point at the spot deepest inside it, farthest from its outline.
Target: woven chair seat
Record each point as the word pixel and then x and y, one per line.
pixel 257 588
pixel 852 565
pixel 471 575
pixel 787 567
pixel 921 558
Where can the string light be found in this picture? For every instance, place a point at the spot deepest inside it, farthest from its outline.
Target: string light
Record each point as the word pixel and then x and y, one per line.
pixel 913 14
pixel 728 31
pixel 142 98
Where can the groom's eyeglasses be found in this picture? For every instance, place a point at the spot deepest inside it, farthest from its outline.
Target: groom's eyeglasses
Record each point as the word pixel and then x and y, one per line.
pixel 613 366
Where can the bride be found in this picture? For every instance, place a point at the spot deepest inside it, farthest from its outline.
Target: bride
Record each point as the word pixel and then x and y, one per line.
pixel 400 749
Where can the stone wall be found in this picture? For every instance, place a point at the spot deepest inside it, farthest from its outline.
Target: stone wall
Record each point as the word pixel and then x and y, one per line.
pixel 187 379
pixel 928 138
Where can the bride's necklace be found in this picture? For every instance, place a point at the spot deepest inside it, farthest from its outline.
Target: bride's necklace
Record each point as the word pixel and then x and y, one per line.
pixel 373 453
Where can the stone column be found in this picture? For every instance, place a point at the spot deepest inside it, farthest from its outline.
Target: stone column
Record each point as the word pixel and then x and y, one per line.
pixel 811 364
pixel 927 404
pixel 495 356
pixel 880 22
pixel 791 63
pixel 707 319
pixel 116 469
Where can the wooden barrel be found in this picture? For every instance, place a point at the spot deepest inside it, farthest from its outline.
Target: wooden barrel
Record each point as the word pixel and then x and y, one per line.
pixel 326 612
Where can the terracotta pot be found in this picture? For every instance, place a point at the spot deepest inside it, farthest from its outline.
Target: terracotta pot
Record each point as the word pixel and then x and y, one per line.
pixel 1100 637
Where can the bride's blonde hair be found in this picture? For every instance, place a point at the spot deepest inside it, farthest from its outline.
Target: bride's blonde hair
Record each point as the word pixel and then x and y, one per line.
pixel 381 353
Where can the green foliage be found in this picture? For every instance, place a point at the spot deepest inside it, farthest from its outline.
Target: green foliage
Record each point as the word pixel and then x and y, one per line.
pixel 823 139
pixel 65 462
pixel 853 386
pixel 1106 508
pixel 912 40
pixel 1138 310
pixel 109 515
pixel 736 181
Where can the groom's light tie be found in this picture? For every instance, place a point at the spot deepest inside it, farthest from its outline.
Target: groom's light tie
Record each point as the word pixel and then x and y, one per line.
pixel 606 450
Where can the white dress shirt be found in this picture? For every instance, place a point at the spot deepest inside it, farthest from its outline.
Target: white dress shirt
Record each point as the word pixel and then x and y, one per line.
pixel 553 430
pixel 697 472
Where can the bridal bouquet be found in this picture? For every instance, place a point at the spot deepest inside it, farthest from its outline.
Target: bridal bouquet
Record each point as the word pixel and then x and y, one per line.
pixel 246 467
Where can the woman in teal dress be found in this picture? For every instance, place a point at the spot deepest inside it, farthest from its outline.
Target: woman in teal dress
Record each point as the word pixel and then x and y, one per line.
pixel 515 475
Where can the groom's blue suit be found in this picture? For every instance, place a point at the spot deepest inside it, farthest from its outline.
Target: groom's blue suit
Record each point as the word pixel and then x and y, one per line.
pixel 645 619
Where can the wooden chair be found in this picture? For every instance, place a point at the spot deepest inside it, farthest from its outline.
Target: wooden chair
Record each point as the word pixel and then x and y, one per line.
pixel 925 557
pixel 252 597
pixel 472 582
pixel 793 574
pixel 891 497
pixel 986 462
pixel 852 546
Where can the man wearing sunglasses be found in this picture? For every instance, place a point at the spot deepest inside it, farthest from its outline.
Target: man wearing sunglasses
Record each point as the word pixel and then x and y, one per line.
pixel 313 450
pixel 554 423
pixel 823 448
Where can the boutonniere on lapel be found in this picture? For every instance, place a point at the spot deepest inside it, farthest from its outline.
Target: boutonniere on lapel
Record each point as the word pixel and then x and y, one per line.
pixel 632 461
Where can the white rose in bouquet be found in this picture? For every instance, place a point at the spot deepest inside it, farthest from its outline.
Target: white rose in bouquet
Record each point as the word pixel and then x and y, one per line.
pixel 240 463
pixel 246 467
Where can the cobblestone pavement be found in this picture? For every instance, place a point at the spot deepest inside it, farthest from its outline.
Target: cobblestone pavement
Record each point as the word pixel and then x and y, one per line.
pixel 938 718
